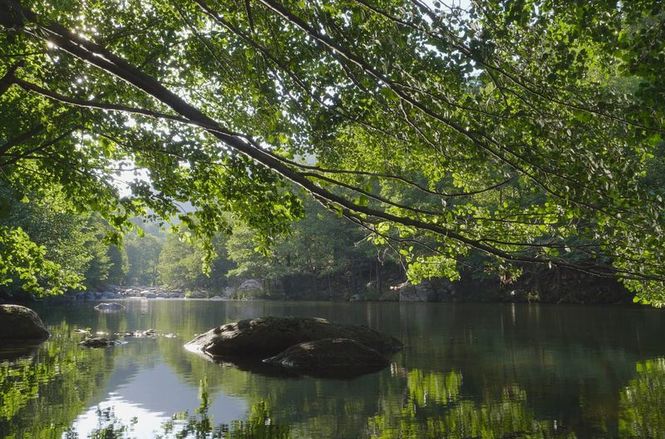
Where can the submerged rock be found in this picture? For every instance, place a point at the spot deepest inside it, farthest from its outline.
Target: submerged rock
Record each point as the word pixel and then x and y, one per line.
pixel 98 342
pixel 20 323
pixel 330 357
pixel 110 307
pixel 267 336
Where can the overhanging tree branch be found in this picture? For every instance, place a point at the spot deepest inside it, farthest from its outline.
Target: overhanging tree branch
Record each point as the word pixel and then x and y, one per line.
pixel 108 62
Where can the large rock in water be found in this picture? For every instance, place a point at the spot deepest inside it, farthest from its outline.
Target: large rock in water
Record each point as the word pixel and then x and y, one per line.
pixel 330 358
pixel 20 323
pixel 267 336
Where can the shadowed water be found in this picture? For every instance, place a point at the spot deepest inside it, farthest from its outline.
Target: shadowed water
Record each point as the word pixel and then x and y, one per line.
pixel 467 370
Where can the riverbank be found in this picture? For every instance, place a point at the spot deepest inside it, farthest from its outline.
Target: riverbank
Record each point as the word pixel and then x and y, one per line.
pixel 545 286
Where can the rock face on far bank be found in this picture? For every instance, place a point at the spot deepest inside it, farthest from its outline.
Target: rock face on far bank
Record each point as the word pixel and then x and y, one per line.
pixel 268 336
pixel 330 358
pixel 249 288
pixel 19 323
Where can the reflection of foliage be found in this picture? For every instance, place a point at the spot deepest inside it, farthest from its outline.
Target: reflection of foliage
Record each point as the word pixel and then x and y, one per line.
pixel 109 426
pixel 643 401
pixel 435 387
pixel 434 409
pixel 60 372
pixel 258 425
pixel 19 383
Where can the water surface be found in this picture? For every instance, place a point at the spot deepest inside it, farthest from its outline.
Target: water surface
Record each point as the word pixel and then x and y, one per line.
pixel 467 370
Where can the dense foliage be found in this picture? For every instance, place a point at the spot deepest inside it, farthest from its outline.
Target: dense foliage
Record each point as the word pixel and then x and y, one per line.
pixel 46 247
pixel 529 131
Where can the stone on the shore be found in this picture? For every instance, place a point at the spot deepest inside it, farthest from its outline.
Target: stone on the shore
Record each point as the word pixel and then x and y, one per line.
pixel 330 357
pixel 267 336
pixel 20 323
pixel 110 307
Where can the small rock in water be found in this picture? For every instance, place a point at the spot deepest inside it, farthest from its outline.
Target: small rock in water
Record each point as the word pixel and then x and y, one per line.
pixel 98 342
pixel 140 334
pixel 109 307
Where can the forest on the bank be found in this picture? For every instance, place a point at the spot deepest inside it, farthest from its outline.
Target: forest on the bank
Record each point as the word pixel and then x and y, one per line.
pixel 515 141
pixel 323 256
pixel 320 252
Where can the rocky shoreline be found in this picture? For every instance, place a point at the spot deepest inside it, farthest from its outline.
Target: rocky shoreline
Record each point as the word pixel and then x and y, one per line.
pixel 546 286
pixel 246 290
pixel 120 293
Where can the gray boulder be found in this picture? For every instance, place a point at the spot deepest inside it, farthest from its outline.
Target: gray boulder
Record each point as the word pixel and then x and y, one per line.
pixel 20 323
pixel 267 336
pixel 330 358
pixel 110 307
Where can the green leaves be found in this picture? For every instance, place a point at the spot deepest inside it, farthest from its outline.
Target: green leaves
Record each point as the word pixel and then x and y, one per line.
pixel 25 265
pixel 514 129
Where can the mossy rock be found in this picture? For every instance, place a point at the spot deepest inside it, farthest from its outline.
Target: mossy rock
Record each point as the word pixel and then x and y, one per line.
pixel 330 358
pixel 20 323
pixel 267 336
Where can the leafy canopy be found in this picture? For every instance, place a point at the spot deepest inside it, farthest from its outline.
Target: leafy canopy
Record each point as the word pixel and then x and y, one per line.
pixel 527 130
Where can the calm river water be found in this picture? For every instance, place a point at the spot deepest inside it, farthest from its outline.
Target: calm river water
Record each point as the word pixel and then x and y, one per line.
pixel 467 370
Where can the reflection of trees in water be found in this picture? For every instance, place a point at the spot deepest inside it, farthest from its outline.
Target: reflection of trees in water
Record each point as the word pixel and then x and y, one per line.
pixel 432 407
pixel 110 427
pixel 259 424
pixel 329 408
pixel 419 403
pixel 593 392
pixel 643 401
pixel 41 396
